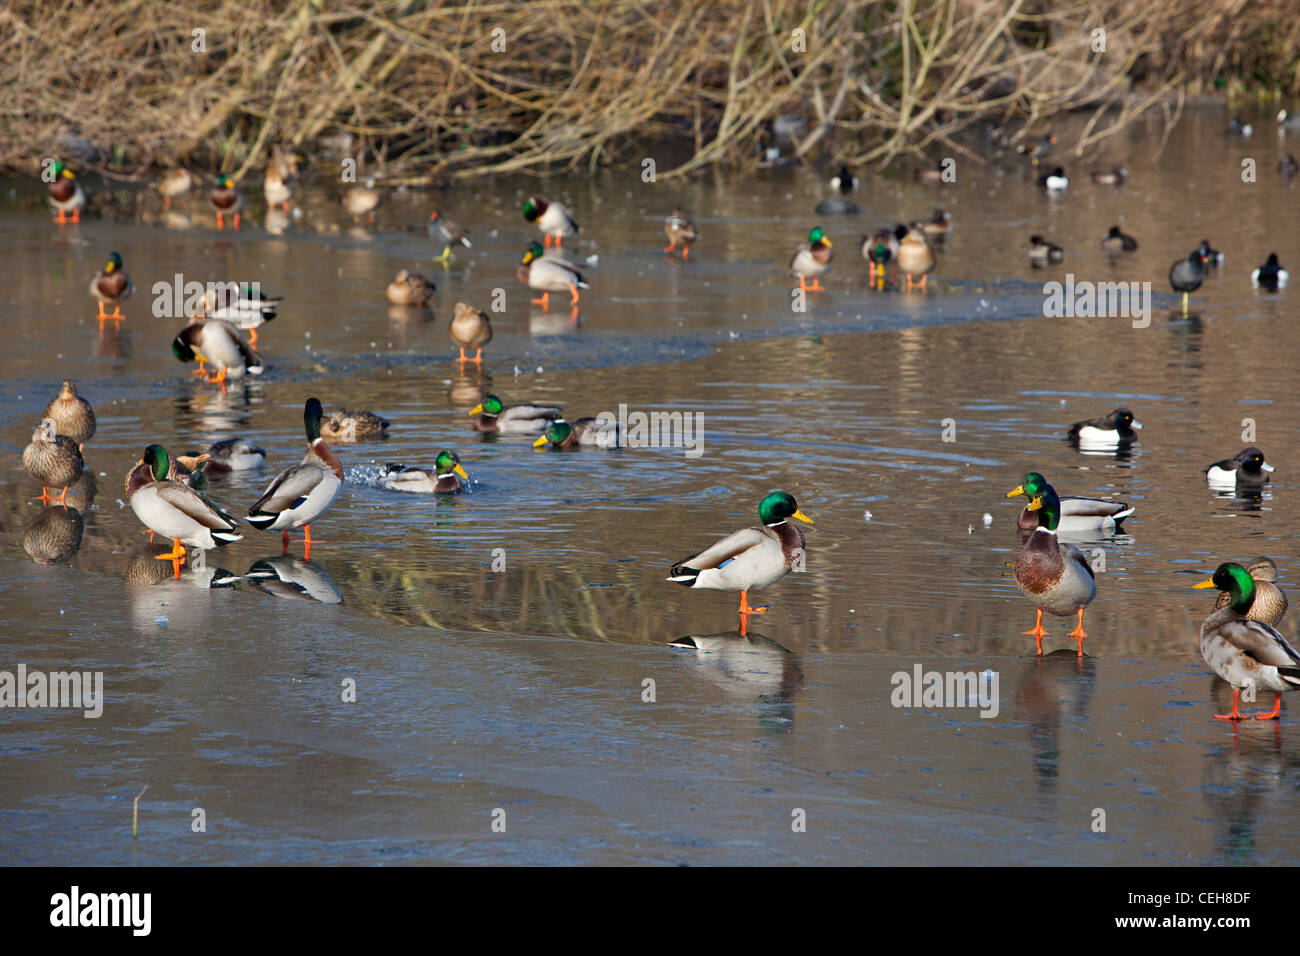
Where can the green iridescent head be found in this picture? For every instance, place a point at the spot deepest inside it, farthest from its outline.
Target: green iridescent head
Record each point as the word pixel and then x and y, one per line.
pixel 778 506
pixel 534 251
pixel 1236 581
pixel 114 263
pixel 448 462
pixel 533 207
pixel 225 182
pixel 491 405
pixel 181 349
pixel 1029 485
pixel 1048 506
pixel 818 235
pixel 557 432
pixel 155 456
pixel 312 414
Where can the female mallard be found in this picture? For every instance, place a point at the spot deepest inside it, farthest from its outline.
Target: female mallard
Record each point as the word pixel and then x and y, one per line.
pixel 470 329
pixel 111 286
pixel 1076 515
pixel 1117 241
pixel 880 248
pixel 52 459
pixel 281 169
pixel 410 288
pixel 189 470
pixel 301 494
pixel 362 201
pixel 174 510
pixel 1269 602
pixel 226 198
pixel 751 558
pixel 1245 652
pixel 243 305
pixel 1212 257
pixel 552 218
pixel 1270 276
pixel 55 536
pixel 173 184
pixel 66 195
pixel 346 426
pixel 585 431
pixel 1186 275
pixel 1115 176
pixel 497 418
pixel 1041 252
pixel 1247 468
pixel 217 343
pixel 448 233
pixel 938 225
pixel 1055 181
pixel 680 229
pixel 547 275
pixel 1055 576
pixel 233 454
pixel 915 257
pixel 1117 428
pixel 444 479
pixel 71 414
pixel 811 259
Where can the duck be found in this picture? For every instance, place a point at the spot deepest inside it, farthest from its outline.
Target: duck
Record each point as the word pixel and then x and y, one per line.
pixel 111 286
pixel 553 218
pixel 174 510
pixel 299 495
pixel 233 454
pixel 54 460
pixel 495 417
pixel 880 248
pixel 680 229
pixel 1269 603
pixel 811 259
pixel 915 257
pixel 930 174
pixel 470 329
pixel 1117 241
pixel 1077 515
pixel 345 426
pixel 1209 255
pixel 173 184
pixel 1055 181
pixel 361 201
pixel 1186 275
pixel 1040 150
pixel 835 206
pixel 447 477
pixel 72 415
pixel 189 470
pixel 1055 576
pixel 750 558
pixel 1288 165
pixel 1247 467
pixel 281 169
pixel 226 198
pixel 243 305
pixel 844 181
pixel 547 274
pixel 448 233
pixel 1041 251
pixel 1290 122
pixel 410 288
pixel 938 225
pixel 217 343
pixel 1270 276
pixel 290 577
pixel 55 536
pixel 1245 652
pixel 602 432
pixel 1238 128
pixel 66 194
pixel 1120 427
pixel 1115 176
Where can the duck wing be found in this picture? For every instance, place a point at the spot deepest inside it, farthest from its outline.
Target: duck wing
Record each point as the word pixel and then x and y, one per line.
pixel 289 489
pixel 194 505
pixel 729 547
pixel 1263 643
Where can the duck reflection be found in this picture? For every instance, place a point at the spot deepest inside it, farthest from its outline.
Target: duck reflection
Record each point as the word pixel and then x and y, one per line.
pixel 55 535
pixel 159 599
pixel 468 388
pixel 404 318
pixel 277 221
pixel 1053 688
pixel 289 576
pixel 1236 782
pixel 561 321
pixel 751 669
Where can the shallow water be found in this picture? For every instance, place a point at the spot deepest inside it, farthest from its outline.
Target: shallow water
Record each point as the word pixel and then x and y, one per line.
pixel 522 689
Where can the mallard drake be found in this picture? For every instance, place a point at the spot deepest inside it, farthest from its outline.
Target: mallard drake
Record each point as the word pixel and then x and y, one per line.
pixel 602 432
pixel 1055 576
pixel 217 343
pixel 111 286
pixel 288 576
pixel 552 218
pixel 1186 275
pixel 244 305
pixel 844 181
pixel 1041 252
pixel 233 454
pixel 362 201
pixel 880 248
pixel 444 479
pixel 811 259
pixel 1117 428
pixel 188 470
pixel 174 510
pixel 1288 166
pixel 680 229
pixel 915 257
pixel 470 329
pixel 1270 276
pixel 173 184
pixel 345 426
pixel 448 233
pixel 1076 515
pixel 226 198
pixel 52 459
pixel 1055 181
pixel 301 494
pixel 751 558
pixel 71 414
pixel 66 195
pixel 938 225
pixel 1269 602
pixel 1247 467
pixel 281 170
pixel 1245 652
pixel 410 288
pixel 1212 257
pixel 1115 176
pixel 547 275
pixel 494 417
pixel 1117 241
pixel 1040 150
